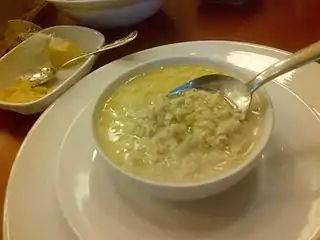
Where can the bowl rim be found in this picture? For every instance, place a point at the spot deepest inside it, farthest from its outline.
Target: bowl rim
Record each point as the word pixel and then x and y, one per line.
pixel 228 67
pixel 55 90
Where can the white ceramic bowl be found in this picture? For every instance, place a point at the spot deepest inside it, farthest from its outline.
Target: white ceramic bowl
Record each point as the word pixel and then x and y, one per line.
pixel 99 13
pixel 21 60
pixel 193 190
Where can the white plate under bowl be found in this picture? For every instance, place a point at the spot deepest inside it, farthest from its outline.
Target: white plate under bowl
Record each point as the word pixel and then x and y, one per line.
pixel 31 211
pixel 278 195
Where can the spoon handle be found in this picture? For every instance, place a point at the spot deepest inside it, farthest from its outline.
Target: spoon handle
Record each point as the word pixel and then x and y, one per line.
pixel 115 44
pixel 296 60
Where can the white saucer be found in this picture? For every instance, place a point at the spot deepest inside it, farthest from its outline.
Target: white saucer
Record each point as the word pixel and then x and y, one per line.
pixel 275 200
pixel 284 207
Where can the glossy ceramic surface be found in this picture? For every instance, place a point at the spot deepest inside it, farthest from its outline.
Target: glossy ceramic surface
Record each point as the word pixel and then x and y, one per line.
pixel 280 204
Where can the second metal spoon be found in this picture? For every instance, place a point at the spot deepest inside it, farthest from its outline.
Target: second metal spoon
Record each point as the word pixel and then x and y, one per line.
pixel 46 74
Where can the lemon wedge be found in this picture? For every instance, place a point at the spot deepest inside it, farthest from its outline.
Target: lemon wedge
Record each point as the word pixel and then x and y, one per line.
pixel 61 51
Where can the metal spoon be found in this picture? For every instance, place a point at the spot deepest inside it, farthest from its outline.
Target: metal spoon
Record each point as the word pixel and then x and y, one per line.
pixel 46 74
pixel 239 94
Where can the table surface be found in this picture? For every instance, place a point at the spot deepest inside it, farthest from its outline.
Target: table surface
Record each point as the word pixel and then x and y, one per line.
pixel 285 24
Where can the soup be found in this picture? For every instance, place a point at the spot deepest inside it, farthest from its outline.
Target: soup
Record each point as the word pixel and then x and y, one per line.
pixel 191 137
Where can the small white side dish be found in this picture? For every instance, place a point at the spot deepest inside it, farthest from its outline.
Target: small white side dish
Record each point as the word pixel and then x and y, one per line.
pixel 28 56
pixel 108 14
pixel 185 191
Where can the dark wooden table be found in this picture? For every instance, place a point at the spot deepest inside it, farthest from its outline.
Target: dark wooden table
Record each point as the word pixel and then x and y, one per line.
pixel 285 24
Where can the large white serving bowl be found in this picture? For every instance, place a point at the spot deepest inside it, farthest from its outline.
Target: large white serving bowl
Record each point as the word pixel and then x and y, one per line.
pixel 185 191
pixel 97 13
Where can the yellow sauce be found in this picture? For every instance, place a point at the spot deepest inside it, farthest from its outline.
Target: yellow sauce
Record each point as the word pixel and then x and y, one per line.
pixel 22 92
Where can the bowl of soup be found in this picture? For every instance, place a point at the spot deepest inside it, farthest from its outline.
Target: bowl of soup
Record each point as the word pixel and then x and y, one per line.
pixel 180 147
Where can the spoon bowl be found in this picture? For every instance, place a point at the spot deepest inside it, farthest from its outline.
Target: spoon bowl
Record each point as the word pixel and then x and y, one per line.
pixel 40 77
pixel 233 90
pixel 239 94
